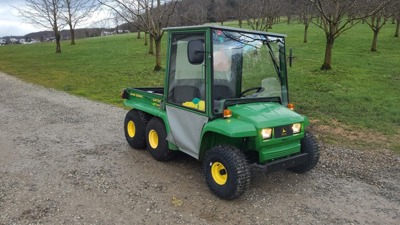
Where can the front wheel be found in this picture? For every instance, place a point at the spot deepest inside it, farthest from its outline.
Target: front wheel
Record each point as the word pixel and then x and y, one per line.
pixel 308 145
pixel 226 171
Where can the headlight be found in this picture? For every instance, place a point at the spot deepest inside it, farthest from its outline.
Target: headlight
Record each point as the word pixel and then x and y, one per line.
pixel 296 128
pixel 266 133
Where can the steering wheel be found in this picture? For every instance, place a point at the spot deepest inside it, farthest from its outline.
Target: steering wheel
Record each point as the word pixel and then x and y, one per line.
pixel 258 89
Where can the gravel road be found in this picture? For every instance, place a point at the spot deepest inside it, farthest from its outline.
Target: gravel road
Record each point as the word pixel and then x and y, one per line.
pixel 64 160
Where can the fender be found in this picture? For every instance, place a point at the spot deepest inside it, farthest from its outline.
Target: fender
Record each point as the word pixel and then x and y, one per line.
pixel 225 131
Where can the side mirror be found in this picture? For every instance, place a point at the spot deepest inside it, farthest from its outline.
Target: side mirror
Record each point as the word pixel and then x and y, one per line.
pixel 195 51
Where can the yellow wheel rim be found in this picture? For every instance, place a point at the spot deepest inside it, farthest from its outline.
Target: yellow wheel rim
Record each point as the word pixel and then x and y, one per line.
pixel 131 128
pixel 219 173
pixel 153 139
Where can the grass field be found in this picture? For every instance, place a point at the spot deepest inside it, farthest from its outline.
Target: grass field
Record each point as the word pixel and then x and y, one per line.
pixel 357 102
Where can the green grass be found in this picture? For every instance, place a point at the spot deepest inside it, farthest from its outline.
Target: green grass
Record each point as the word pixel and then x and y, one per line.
pixel 96 68
pixel 361 92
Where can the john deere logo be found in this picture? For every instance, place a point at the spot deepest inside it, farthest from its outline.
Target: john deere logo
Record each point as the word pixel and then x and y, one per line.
pixel 284 132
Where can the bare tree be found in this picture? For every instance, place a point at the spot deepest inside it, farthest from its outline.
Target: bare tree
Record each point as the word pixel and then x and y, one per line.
pixel 222 10
pixel 147 12
pixel 275 8
pixel 77 11
pixel 241 10
pixel 336 20
pixel 152 16
pixel 47 14
pixel 195 16
pixel 138 32
pixel 305 11
pixel 288 9
pixel 116 19
pixel 396 16
pixel 261 13
pixel 377 21
pixel 256 17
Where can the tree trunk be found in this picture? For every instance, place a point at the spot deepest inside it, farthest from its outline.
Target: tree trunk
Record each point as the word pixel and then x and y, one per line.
pixel 240 23
pixel 375 41
pixel 58 39
pixel 72 33
pixel 305 32
pixel 396 34
pixel 330 39
pixel 270 21
pixel 151 48
pixel 138 34
pixel 145 38
pixel 157 42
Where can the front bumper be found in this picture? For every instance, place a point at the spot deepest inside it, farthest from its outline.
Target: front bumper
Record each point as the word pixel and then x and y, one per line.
pixel 282 164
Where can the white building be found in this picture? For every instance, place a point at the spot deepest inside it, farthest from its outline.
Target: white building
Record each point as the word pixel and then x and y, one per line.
pixel 14 41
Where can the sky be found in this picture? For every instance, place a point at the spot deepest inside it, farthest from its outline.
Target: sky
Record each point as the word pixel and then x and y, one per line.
pixel 11 24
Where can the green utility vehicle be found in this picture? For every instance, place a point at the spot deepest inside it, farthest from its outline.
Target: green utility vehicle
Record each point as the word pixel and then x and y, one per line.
pixel 226 103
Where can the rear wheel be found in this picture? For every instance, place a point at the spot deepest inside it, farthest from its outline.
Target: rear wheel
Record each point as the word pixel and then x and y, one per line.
pixel 226 171
pixel 156 137
pixel 135 128
pixel 308 145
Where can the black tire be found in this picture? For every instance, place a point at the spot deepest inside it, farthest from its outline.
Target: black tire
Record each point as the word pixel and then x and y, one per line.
pixel 308 145
pixel 226 171
pixel 156 139
pixel 135 128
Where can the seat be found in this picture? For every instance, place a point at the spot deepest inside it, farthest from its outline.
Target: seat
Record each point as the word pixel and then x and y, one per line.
pixel 184 93
pixel 222 92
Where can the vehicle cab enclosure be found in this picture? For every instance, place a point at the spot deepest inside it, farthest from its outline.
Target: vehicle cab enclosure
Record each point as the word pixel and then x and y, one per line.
pixel 226 87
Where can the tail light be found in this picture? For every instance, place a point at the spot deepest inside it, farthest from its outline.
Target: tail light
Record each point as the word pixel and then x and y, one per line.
pixel 125 94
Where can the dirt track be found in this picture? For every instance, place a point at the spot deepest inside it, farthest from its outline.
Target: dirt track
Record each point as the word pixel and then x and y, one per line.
pixel 64 160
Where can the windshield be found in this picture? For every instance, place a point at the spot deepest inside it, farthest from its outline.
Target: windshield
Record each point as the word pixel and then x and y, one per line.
pixel 247 66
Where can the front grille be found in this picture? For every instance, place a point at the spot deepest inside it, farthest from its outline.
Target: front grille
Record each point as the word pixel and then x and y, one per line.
pixel 283 131
pixel 279 150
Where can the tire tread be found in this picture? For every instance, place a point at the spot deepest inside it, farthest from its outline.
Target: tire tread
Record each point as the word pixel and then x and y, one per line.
pixel 234 159
pixel 308 145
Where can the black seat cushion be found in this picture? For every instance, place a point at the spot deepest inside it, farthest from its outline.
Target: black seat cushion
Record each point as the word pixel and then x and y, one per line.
pixel 222 92
pixel 185 93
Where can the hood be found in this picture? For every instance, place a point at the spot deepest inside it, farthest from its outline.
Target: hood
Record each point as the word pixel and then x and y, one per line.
pixel 266 114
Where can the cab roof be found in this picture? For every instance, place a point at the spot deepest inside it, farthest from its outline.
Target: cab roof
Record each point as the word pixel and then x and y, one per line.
pixel 211 26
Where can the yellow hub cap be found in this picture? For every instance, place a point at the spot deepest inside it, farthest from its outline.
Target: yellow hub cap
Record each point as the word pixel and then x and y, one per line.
pixel 131 128
pixel 153 139
pixel 219 173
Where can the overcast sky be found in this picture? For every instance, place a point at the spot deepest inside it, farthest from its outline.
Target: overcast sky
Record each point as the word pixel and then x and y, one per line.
pixel 11 23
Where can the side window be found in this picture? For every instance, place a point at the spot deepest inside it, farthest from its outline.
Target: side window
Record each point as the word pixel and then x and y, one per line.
pixel 186 85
